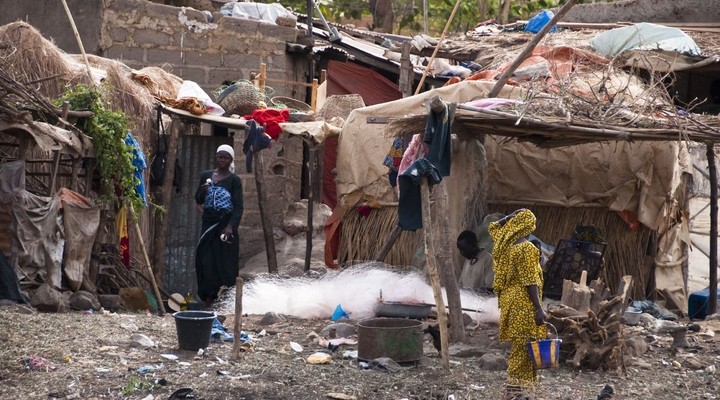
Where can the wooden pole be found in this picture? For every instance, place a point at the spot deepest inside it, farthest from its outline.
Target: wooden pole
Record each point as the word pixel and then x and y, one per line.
pixel 156 291
pixel 502 80
pixel 162 221
pixel 237 323
pixel 433 272
pixel 313 95
pixel 262 78
pixel 712 167
pixel 405 80
pixel 264 218
pixel 77 37
pixel 447 269
pixel 56 157
pixel 437 47
pixel 311 200
pixel 391 239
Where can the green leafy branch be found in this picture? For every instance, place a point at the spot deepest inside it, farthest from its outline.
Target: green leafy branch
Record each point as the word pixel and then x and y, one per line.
pixel 108 130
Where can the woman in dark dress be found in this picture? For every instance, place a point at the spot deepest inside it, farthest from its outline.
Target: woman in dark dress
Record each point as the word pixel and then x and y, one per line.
pixel 220 197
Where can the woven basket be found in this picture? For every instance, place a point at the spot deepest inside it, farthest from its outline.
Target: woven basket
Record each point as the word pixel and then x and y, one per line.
pixel 240 98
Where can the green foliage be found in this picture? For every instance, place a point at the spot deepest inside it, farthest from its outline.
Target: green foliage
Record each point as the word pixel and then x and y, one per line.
pixel 136 384
pixel 108 130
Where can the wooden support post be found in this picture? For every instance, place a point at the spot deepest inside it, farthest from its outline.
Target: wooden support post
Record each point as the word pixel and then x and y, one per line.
pixel 447 269
pixel 89 174
pixel 323 75
pixel 712 169
pixel 77 38
pixel 310 201
pixel 313 95
pixel 264 218
pixel 56 157
pixel 162 221
pixel 74 175
pixel 502 80
pixel 433 272
pixel 237 322
pixel 389 242
pixel 262 78
pixel 405 80
pixel 156 291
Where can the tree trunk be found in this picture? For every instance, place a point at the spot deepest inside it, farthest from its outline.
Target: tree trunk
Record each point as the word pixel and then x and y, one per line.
pixel 483 9
pixel 505 14
pixel 382 15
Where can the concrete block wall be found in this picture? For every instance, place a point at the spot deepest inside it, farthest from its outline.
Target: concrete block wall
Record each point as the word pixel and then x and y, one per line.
pixel 646 11
pixel 183 41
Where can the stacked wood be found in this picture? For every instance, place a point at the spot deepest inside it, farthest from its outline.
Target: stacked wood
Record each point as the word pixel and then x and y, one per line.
pixel 593 338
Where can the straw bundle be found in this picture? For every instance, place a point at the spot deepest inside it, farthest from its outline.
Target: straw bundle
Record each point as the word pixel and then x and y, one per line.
pixel 625 252
pixel 129 96
pixel 158 82
pixel 29 57
pixel 363 237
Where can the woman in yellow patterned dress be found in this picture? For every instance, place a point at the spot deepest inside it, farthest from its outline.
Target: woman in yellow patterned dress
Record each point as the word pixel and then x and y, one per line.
pixel 518 285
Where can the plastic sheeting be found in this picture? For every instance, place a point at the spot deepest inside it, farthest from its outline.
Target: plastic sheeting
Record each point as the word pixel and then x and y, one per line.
pixel 80 221
pixel 54 235
pixel 644 36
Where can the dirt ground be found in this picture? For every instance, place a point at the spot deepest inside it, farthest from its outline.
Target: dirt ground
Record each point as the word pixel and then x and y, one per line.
pixel 81 355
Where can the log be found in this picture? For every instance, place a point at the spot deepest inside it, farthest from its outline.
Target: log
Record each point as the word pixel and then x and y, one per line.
pixel 156 291
pixel 392 238
pixel 624 288
pixel 311 183
pixel 575 295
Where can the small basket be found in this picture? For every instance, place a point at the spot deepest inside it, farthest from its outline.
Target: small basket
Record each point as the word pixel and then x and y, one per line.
pixel 545 354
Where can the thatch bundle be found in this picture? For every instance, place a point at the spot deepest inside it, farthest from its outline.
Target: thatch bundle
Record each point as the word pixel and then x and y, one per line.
pixel 626 251
pixel 29 57
pixel 159 82
pixel 364 236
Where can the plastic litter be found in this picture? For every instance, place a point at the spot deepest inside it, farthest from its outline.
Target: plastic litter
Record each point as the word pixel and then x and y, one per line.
pixel 319 358
pixel 339 313
pixel 296 346
pixel 148 368
pixel 655 310
pixel 537 22
pixel 218 333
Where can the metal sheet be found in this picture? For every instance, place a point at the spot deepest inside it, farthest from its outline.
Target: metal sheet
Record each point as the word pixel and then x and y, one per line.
pixel 195 155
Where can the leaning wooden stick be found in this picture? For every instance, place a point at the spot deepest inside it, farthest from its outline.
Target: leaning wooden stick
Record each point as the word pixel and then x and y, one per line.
pixel 237 325
pixel 502 80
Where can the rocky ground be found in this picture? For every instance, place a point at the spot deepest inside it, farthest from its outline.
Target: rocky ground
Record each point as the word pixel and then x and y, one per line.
pixel 98 355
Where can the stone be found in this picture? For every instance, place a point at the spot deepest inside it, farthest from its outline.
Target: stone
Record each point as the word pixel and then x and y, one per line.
pixel 47 299
pixel 271 318
pixel 111 302
pixel 461 350
pixel 636 346
pixel 341 329
pixel 82 300
pixel 141 341
pixel 135 298
pixel 493 362
pixel 295 220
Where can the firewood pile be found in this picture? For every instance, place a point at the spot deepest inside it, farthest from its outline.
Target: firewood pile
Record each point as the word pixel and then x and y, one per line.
pixel 17 99
pixel 589 321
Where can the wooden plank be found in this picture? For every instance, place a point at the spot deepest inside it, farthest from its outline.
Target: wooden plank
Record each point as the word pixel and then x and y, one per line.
pixel 264 217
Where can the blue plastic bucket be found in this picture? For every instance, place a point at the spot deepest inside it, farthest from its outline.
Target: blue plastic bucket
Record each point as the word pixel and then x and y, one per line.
pixel 545 353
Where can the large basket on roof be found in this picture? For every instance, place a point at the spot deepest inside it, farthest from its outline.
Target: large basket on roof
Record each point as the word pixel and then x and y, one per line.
pixel 240 98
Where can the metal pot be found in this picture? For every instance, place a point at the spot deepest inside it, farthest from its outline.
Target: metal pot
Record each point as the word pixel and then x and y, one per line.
pixel 394 309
